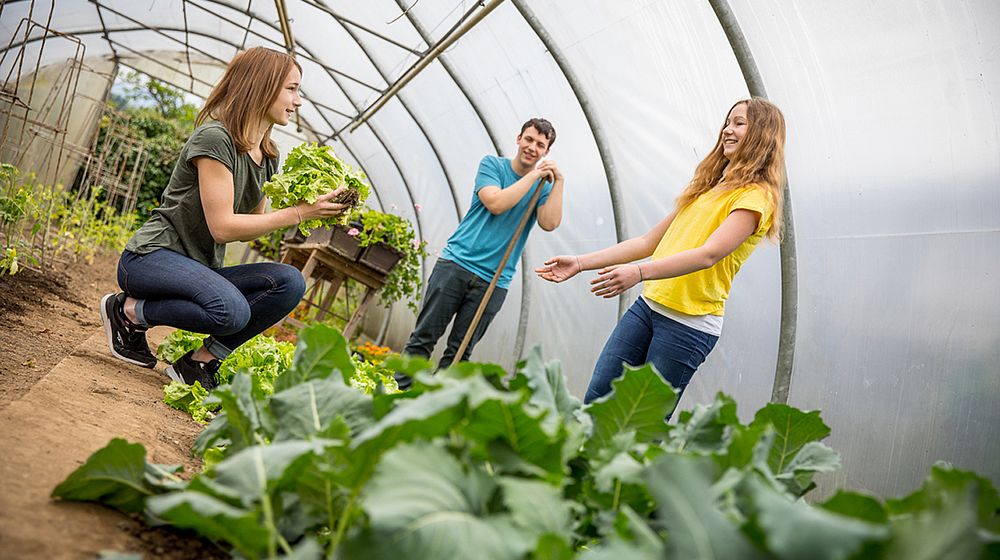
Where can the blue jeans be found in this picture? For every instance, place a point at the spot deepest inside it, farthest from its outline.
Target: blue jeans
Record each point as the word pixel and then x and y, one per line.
pixel 452 291
pixel 231 304
pixel 644 336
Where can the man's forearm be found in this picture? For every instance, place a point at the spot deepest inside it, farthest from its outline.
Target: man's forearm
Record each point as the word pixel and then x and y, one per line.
pixel 550 213
pixel 498 200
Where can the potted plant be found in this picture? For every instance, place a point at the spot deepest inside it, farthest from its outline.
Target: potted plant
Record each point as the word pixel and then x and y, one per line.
pixel 344 240
pixel 390 245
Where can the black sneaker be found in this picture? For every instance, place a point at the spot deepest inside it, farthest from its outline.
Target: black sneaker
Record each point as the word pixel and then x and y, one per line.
pixel 125 340
pixel 403 381
pixel 188 371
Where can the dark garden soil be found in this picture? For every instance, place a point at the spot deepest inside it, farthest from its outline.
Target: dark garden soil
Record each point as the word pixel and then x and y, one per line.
pixel 62 397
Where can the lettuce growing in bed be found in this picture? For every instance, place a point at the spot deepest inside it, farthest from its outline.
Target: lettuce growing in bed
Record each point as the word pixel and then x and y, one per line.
pixel 310 171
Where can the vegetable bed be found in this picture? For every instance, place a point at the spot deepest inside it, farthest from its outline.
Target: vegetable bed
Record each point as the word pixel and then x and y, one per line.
pixel 475 463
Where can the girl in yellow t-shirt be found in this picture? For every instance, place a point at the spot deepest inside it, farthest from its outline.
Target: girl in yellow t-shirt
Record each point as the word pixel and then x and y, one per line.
pixel 733 201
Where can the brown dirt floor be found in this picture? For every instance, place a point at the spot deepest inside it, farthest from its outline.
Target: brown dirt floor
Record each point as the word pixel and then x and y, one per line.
pixel 62 397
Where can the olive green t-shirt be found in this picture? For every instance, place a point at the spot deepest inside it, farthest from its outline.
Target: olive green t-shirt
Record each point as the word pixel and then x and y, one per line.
pixel 179 223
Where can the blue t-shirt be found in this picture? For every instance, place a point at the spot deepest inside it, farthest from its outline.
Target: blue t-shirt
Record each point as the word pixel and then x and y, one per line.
pixel 481 238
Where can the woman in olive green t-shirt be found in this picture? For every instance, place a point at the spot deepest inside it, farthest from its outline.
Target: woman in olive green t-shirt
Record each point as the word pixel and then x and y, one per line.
pixel 171 272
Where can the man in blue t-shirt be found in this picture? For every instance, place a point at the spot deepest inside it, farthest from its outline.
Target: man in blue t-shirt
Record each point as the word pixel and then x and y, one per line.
pixel 504 188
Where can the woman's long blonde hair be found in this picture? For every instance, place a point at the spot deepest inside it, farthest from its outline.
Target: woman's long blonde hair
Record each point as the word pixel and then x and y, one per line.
pixel 247 90
pixel 760 159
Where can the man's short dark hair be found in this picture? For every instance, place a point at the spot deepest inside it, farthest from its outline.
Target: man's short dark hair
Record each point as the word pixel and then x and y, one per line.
pixel 544 127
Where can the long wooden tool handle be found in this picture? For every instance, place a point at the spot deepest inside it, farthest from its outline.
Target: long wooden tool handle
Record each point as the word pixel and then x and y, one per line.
pixel 496 276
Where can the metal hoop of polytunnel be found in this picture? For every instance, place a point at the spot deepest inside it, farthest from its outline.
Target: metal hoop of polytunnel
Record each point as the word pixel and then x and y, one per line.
pixel 879 308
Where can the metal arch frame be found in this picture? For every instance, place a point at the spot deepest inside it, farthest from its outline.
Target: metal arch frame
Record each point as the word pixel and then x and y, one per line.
pixel 374 132
pixel 420 126
pixel 469 19
pixel 343 20
pixel 603 147
pixel 114 43
pixel 253 17
pixel 286 26
pixel 525 310
pixel 333 76
pixel 106 32
pixel 425 36
pixel 249 13
pixel 187 46
pixel 330 72
pixel 589 113
pixel 104 27
pixel 789 260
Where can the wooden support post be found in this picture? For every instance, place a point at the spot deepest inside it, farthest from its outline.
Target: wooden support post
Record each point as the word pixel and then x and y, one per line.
pixel 334 269
pixel 358 313
pixel 331 293
pixel 310 265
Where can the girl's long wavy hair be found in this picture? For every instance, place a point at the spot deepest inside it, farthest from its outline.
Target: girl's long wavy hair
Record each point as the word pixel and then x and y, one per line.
pixel 760 159
pixel 247 90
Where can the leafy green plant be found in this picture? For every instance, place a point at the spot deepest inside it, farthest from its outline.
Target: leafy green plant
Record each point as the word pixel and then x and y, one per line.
pixel 369 375
pixel 14 202
pixel 263 359
pixel 188 398
pixel 473 463
pixel 38 221
pixel 404 279
pixel 310 171
pixel 178 343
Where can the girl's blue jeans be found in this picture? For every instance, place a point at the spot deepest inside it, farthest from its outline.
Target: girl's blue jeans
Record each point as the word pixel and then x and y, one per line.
pixel 231 304
pixel 644 336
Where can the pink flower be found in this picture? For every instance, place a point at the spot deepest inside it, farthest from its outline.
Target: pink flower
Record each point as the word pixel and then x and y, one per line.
pixel 418 208
pixel 353 232
pixel 416 244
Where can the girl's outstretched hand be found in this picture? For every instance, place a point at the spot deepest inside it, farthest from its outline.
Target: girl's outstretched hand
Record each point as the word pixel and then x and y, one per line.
pixel 614 280
pixel 559 269
pixel 322 208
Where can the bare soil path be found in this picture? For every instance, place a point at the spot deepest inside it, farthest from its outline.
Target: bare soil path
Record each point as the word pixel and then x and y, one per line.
pixel 62 397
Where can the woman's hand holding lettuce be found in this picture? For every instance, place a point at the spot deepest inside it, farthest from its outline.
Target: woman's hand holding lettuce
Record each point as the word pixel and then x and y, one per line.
pixel 309 172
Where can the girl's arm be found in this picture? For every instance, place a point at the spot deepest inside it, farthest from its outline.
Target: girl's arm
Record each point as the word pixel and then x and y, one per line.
pixel 564 267
pixel 737 228
pixel 215 183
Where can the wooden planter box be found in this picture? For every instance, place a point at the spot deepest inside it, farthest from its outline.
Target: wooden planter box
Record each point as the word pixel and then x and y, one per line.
pixel 344 244
pixel 381 257
pixel 335 238
pixel 318 236
pixel 293 235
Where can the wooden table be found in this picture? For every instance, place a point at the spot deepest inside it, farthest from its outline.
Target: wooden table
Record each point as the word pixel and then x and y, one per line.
pixel 321 263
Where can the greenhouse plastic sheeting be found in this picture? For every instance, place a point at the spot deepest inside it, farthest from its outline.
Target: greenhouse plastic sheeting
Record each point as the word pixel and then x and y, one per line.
pixel 893 160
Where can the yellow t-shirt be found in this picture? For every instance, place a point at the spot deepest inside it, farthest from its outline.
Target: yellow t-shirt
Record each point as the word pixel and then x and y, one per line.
pixel 705 292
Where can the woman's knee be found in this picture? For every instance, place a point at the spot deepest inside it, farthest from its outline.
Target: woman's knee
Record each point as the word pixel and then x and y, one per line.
pixel 289 280
pixel 230 316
